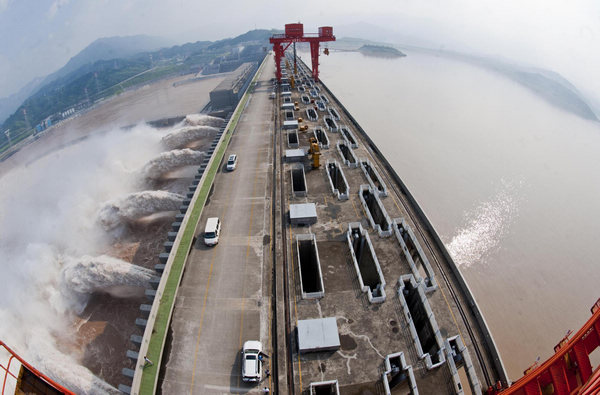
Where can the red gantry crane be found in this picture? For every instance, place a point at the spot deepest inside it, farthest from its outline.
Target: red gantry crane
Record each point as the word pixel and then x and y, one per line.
pixel 294 33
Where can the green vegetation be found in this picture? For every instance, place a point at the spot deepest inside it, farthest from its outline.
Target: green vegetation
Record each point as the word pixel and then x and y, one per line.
pixel 91 82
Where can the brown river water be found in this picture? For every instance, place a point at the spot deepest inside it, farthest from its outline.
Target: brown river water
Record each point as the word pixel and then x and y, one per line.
pixel 511 184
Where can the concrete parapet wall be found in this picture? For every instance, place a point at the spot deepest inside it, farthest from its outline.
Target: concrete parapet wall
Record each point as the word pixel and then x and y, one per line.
pixel 309 268
pixel 373 177
pixel 401 228
pixel 383 232
pixel 340 195
pixel 386 377
pixel 380 297
pixel 430 316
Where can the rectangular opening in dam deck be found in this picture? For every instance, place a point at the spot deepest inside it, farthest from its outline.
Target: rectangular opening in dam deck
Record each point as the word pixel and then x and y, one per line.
pixel 461 366
pixel 305 99
pixel 337 180
pixel 289 115
pixel 311 114
pixel 370 276
pixel 378 217
pixel 331 124
pixel 321 137
pixel 373 177
pixel 334 114
pixel 423 326
pixel 324 98
pixel 349 137
pixel 330 387
pixel 311 278
pixel 298 182
pixel 320 105
pixel 417 260
pixel 398 377
pixel 292 138
pixel 347 154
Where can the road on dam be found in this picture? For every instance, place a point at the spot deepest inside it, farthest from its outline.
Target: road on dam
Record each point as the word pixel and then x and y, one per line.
pixel 224 297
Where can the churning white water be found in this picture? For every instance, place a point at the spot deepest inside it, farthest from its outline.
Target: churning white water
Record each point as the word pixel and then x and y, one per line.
pixel 201 119
pixel 52 244
pixel 169 161
pixel 135 206
pixel 182 137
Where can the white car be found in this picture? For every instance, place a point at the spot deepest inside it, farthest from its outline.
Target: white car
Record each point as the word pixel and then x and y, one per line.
pixel 232 162
pixel 251 364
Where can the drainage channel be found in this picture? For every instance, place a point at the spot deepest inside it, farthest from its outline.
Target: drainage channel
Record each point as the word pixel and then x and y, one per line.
pixel 311 278
pixel 366 263
pixel 321 137
pixel 337 180
pixel 331 124
pixel 347 154
pixel 417 260
pixel 423 326
pixel 373 177
pixel 348 136
pixel 378 217
pixel 298 182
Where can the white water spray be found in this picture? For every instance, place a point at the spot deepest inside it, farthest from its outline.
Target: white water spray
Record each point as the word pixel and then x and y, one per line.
pixel 136 206
pixel 170 161
pixel 201 119
pixel 186 135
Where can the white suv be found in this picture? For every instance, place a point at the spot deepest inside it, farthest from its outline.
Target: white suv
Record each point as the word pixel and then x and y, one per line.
pixel 231 162
pixel 251 365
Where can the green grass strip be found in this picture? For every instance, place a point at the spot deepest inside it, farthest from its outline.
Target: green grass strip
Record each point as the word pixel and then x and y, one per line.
pixel 161 324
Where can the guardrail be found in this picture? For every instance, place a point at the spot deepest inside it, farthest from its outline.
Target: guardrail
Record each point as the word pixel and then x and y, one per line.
pixel 152 346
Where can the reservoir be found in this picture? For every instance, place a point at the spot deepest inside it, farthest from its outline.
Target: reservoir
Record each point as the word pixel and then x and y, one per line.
pixel 510 182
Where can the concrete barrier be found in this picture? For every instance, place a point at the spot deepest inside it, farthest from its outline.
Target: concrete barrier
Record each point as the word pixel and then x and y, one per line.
pixel 366 264
pixel 414 254
pixel 394 365
pixel 421 321
pixel 337 180
pixel 373 177
pixel 321 137
pixel 457 353
pixel 309 266
pixel 298 181
pixel 347 154
pixel 378 217
pixel 348 136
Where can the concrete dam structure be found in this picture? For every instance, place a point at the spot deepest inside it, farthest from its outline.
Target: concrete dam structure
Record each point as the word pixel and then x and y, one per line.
pixel 323 256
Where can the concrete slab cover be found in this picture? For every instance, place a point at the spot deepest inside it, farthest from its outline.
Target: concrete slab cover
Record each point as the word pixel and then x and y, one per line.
pixel 290 124
pixel 320 334
pixel 303 211
pixel 294 155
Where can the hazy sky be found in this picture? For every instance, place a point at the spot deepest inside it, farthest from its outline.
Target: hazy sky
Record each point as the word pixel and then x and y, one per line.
pixel 39 36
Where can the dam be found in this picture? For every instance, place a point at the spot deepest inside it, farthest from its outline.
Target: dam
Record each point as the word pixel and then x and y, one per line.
pixel 393 327
pixel 251 286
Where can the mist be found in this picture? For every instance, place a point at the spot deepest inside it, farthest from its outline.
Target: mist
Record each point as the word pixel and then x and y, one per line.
pixel 53 247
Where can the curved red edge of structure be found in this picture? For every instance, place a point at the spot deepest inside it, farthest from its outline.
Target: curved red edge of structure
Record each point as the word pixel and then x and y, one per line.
pixel 36 372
